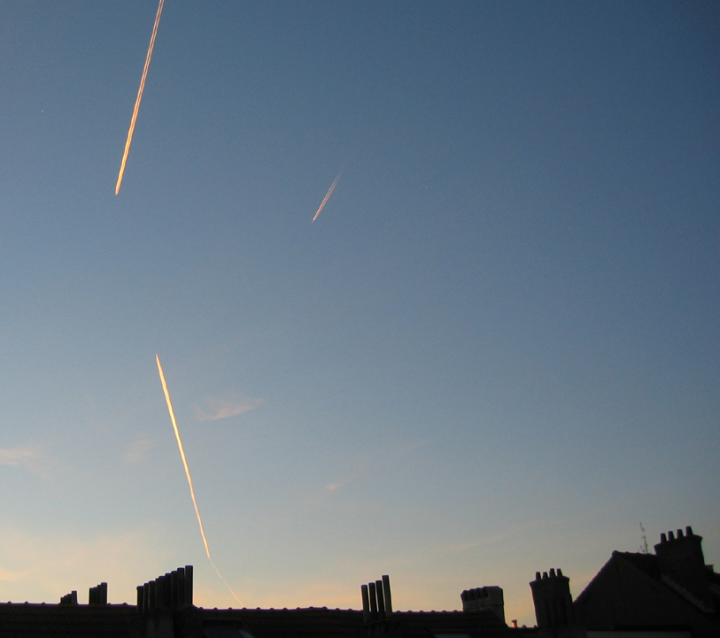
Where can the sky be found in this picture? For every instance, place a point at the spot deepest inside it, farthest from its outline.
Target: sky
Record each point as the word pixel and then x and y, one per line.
pixel 494 352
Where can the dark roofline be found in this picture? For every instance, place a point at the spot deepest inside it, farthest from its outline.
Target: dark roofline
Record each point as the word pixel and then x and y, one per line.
pixel 584 593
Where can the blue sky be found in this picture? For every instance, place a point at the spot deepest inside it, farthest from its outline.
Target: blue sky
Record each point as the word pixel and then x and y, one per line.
pixel 496 351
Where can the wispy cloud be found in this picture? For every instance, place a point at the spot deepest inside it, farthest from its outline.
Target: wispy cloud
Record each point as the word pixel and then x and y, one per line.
pixel 137 450
pixel 461 547
pixel 217 408
pixel 332 487
pixel 43 565
pixel 27 456
pixel 363 464
pixel 533 525
pixel 6 575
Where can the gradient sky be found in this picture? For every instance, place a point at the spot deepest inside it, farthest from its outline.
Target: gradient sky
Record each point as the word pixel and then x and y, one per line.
pixel 495 352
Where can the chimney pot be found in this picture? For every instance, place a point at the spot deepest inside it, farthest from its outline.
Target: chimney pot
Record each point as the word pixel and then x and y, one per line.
pixel 365 602
pixel 161 591
pixel 380 598
pixel 373 601
pixel 388 597
pixel 175 601
pixel 188 584
pixel 683 562
pixel 688 530
pixel 553 602
pixel 180 586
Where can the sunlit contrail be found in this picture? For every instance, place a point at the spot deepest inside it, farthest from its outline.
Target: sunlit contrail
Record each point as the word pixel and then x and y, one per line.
pixel 187 473
pixel 330 192
pixel 139 96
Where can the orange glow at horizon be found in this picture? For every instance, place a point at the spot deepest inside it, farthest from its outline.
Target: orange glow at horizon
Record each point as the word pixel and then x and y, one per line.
pixel 187 473
pixel 139 97
pixel 330 192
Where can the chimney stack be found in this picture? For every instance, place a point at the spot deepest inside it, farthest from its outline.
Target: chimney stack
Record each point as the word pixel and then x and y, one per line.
pixel 98 595
pixel 377 600
pixel 682 563
pixel 553 603
pixel 170 591
pixel 481 598
pixel 69 599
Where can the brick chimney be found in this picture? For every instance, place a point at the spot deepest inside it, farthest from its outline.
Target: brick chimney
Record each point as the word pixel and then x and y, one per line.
pixel 553 606
pixel 551 595
pixel 484 598
pixel 165 607
pixel 98 595
pixel 682 566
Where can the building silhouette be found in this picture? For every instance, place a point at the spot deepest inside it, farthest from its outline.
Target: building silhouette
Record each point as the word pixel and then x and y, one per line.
pixel 669 594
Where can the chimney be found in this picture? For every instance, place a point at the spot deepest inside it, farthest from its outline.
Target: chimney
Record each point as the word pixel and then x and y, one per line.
pixel 482 598
pixel 380 599
pixel 365 602
pixel 170 591
pixel 98 595
pixel 377 600
pixel 388 596
pixel 681 562
pixel 373 601
pixel 553 603
pixel 69 599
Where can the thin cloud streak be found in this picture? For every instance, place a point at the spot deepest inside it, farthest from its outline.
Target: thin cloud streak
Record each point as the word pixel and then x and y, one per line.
pixel 330 192
pixel 187 473
pixel 31 459
pixel 139 97
pixel 25 456
pixel 137 451
pixel 40 564
pixel 224 409
pixel 530 525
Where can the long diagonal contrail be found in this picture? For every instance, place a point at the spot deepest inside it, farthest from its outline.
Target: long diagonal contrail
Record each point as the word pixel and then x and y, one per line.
pixel 187 473
pixel 139 96
pixel 330 192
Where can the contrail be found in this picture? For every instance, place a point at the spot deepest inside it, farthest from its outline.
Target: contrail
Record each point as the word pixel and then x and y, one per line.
pixel 187 472
pixel 139 96
pixel 330 192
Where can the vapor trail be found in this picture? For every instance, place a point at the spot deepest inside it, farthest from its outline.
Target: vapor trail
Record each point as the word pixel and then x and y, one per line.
pixel 187 471
pixel 330 192
pixel 139 96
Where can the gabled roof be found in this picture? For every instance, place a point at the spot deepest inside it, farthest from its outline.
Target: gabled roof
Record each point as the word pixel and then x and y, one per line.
pixel 648 564
pixel 630 591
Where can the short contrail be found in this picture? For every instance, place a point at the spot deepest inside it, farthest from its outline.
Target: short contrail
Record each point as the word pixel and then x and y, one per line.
pixel 187 473
pixel 139 96
pixel 330 192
